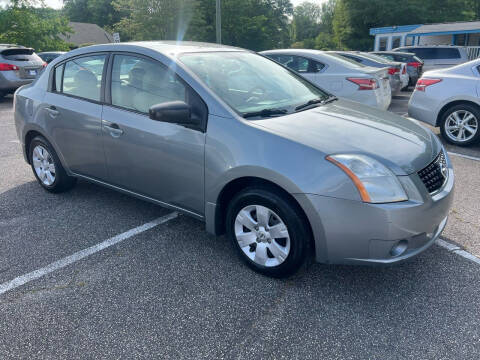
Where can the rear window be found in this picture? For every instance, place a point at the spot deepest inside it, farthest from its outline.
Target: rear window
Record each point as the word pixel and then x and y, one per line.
pixel 403 58
pixel 346 61
pixel 436 53
pixel 17 51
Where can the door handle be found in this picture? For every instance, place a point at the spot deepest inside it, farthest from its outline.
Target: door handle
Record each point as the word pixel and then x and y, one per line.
pixel 112 128
pixel 52 110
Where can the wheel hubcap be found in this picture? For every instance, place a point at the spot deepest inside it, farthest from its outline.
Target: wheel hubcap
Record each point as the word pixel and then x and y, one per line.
pixel 461 126
pixel 43 165
pixel 262 235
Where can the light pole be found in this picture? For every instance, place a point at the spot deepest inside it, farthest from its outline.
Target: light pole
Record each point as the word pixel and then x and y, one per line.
pixel 218 18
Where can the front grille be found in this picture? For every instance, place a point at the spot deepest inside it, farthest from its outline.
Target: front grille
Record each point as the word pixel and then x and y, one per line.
pixel 435 174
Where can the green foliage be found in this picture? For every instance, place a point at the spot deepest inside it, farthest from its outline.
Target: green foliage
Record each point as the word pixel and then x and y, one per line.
pixel 100 12
pixel 39 28
pixel 353 18
pixel 306 21
pixel 252 24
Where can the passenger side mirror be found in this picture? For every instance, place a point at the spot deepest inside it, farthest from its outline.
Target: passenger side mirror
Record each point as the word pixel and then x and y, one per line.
pixel 176 112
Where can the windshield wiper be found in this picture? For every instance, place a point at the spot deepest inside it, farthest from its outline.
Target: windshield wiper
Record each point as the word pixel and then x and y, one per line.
pixel 316 101
pixel 265 112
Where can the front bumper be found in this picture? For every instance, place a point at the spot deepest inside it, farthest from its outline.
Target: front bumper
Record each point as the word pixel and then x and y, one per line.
pixel 423 107
pixel 353 232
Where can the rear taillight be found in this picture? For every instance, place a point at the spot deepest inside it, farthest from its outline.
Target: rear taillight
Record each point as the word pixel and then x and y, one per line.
pixel 422 84
pixel 364 84
pixel 393 70
pixel 404 70
pixel 415 64
pixel 44 65
pixel 8 67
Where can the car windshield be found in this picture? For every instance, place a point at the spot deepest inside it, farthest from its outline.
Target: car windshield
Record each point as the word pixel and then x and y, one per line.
pixel 376 58
pixel 251 83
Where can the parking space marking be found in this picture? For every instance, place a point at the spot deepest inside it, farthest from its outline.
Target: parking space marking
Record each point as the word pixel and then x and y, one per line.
pixel 464 156
pixel 23 279
pixel 457 250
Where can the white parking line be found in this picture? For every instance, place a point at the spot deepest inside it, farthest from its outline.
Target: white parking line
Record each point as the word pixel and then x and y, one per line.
pixel 464 156
pixel 457 250
pixel 23 279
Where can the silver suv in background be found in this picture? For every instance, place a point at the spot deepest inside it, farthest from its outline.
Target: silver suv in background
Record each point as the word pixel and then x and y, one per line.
pixel 437 56
pixel 338 75
pixel 18 66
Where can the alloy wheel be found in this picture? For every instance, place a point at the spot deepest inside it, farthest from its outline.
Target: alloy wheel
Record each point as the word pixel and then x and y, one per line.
pixel 461 126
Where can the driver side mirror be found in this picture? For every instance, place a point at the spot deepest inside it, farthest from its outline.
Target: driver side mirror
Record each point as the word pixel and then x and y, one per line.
pixel 176 112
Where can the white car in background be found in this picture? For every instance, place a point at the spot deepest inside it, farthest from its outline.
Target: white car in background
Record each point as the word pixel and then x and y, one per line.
pixel 339 76
pixel 450 99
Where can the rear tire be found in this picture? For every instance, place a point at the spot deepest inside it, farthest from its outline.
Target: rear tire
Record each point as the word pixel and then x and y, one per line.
pixel 460 125
pixel 268 230
pixel 47 167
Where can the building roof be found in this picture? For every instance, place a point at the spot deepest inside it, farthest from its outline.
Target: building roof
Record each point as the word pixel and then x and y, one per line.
pixel 84 33
pixel 462 27
pixel 393 29
pixel 448 28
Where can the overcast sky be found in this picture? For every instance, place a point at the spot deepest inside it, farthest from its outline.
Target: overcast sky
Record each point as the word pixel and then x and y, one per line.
pixel 58 3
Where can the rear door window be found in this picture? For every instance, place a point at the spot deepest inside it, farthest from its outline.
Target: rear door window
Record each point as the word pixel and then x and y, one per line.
pixel 82 77
pixel 139 83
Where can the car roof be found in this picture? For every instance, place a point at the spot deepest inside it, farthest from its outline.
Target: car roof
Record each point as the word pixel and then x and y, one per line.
pixel 51 52
pixel 394 53
pixel 167 48
pixel 281 51
pixel 430 46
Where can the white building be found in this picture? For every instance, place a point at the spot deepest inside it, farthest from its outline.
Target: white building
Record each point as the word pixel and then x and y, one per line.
pixel 457 33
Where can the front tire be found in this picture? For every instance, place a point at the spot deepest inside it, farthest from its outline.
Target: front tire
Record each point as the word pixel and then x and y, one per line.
pixel 268 230
pixel 47 167
pixel 460 124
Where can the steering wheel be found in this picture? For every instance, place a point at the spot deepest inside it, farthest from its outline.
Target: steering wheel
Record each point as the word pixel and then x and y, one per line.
pixel 253 93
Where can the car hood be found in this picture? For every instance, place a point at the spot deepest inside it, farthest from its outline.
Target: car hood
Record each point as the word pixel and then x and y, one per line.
pixel 347 127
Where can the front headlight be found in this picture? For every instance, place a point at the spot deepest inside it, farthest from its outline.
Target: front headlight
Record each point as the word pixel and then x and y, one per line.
pixel 374 181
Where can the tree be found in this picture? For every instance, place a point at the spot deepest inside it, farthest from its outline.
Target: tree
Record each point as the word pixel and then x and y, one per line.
pixel 100 12
pixel 252 24
pixel 306 21
pixel 40 28
pixel 353 18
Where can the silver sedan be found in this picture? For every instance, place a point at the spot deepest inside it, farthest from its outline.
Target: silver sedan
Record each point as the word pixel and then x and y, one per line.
pixel 242 143
pixel 340 76
pixel 450 99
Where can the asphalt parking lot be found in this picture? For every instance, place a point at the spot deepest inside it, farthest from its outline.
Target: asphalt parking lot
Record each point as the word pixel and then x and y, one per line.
pixel 169 290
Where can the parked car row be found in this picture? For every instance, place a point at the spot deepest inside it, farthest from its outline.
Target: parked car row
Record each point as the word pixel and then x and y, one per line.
pixel 357 76
pixel 447 97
